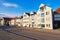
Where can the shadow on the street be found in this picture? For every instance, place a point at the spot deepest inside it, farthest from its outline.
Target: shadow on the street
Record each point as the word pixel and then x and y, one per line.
pixel 20 35
pixel 7 27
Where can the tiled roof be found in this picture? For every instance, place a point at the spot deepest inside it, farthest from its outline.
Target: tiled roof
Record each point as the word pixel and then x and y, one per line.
pixel 57 11
pixel 9 18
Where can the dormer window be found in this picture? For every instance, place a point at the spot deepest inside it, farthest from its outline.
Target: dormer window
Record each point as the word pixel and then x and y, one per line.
pixel 32 16
pixel 42 9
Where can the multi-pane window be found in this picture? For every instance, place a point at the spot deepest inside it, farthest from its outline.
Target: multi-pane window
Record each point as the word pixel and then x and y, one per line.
pixel 42 9
pixel 42 25
pixel 48 25
pixel 32 17
pixel 32 22
pixel 42 15
pixel 42 20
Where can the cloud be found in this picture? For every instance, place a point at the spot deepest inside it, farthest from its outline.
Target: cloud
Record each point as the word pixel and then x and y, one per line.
pixel 2 14
pixel 10 5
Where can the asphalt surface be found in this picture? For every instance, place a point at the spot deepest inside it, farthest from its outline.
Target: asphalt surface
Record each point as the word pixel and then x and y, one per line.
pixel 18 33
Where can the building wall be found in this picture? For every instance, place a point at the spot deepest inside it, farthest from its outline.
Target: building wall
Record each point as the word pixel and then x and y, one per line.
pixel 57 20
pixel 26 20
pixel 12 22
pixel 21 22
pixel 32 20
pixel 56 17
pixel 45 18
pixel 18 21
pixel 2 21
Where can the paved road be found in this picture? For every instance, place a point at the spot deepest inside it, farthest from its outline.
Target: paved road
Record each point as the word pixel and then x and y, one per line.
pixel 16 33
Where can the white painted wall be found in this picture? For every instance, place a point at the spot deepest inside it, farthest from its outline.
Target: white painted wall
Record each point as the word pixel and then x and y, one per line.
pixel 49 17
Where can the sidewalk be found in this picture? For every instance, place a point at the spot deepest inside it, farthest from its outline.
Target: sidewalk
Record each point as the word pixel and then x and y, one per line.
pixel 48 31
pixel 56 31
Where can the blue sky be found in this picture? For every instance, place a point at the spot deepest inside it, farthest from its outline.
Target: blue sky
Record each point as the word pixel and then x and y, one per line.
pixel 18 7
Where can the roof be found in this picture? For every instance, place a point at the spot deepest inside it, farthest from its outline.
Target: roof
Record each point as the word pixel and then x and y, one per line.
pixel 42 5
pixel 21 17
pixel 57 11
pixel 33 13
pixel 27 13
pixel 9 18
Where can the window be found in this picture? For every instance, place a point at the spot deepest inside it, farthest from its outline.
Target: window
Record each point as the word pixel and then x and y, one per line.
pixel 47 13
pixel 42 15
pixel 32 19
pixel 33 16
pixel 42 20
pixel 48 25
pixel 32 23
pixel 42 25
pixel 42 9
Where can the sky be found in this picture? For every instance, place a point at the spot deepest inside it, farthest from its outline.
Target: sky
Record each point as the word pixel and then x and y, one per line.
pixel 14 8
